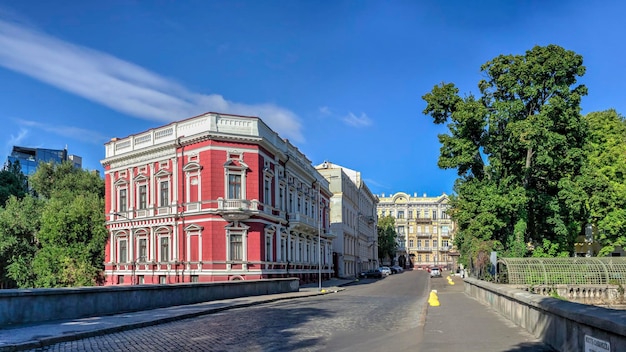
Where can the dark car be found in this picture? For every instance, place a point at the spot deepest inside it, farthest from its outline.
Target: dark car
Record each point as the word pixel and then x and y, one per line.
pixel 374 273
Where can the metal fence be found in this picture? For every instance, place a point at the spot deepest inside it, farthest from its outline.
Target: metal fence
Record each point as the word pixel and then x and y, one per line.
pixel 555 271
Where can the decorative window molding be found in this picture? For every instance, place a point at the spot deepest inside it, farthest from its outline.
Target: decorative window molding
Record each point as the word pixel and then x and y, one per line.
pixel 164 243
pixel 193 228
pixel 121 182
pixel 236 240
pixel 235 171
pixel 162 173
pixel 141 178
pixel 164 164
pixel 192 166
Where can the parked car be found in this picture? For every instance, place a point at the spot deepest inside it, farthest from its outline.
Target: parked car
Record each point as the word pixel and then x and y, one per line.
pixel 374 273
pixel 396 269
pixel 385 270
pixel 435 272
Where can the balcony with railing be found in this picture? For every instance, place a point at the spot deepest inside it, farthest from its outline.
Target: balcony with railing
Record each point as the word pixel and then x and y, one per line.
pixel 302 222
pixel 423 220
pixel 425 249
pixel 424 234
pixel 236 209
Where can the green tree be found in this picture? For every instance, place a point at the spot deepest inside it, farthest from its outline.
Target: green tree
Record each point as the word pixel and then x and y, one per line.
pixel 603 179
pixel 19 225
pixel 72 233
pixel 12 182
pixel 387 238
pixel 517 148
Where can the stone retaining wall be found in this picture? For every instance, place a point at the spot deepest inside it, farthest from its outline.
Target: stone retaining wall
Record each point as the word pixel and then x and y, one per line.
pixel 20 306
pixel 563 325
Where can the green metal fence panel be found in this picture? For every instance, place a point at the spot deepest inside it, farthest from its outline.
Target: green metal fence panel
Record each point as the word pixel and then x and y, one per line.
pixel 556 271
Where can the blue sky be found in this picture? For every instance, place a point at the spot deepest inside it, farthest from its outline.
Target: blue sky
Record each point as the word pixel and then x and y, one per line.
pixel 342 80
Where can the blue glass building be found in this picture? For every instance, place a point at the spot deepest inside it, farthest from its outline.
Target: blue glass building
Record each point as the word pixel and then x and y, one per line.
pixel 30 158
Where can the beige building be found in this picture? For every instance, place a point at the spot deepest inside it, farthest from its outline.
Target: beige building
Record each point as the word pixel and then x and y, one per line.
pixel 352 219
pixel 425 231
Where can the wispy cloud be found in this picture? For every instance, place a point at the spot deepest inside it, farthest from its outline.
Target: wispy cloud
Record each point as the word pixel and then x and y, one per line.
pixel 121 85
pixel 325 110
pixel 351 119
pixel 357 121
pixel 80 134
pixel 16 140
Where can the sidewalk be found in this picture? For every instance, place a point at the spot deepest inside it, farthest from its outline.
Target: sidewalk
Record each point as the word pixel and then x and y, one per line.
pixel 30 336
pixel 461 323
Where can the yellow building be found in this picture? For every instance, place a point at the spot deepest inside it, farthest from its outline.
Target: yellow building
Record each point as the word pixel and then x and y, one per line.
pixel 425 231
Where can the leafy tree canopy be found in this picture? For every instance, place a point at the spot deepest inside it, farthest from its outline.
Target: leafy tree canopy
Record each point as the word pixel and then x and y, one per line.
pixel 603 180
pixel 517 148
pixel 12 182
pixel 387 237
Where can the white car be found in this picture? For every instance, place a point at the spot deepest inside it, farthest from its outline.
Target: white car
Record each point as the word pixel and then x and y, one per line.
pixel 435 272
pixel 385 269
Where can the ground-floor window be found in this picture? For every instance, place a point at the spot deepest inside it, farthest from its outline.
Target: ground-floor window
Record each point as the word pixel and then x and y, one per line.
pixel 236 247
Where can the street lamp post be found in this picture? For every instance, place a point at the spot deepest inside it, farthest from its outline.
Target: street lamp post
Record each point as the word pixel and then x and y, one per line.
pixel 319 237
pixel 589 239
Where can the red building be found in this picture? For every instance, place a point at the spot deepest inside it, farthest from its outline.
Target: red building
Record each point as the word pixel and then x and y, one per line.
pixel 215 197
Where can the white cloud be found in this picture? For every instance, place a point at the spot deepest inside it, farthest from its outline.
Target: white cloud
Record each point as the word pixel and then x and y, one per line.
pixel 16 140
pixel 325 110
pixel 120 85
pixel 80 134
pixel 357 121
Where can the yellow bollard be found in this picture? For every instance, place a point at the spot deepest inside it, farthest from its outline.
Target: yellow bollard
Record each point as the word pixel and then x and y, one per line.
pixel 433 300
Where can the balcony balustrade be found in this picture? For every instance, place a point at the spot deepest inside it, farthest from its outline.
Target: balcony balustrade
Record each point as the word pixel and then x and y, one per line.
pixel 236 209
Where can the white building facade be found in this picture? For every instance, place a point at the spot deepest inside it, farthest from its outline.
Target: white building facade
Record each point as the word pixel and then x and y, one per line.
pixel 353 220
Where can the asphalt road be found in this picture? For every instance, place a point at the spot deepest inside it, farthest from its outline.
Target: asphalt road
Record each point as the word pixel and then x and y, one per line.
pixel 391 314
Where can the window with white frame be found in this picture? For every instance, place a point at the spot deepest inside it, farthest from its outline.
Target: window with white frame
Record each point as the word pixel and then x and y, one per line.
pixel 281 197
pixel 268 248
pixel 142 196
pixel 123 252
pixel 267 195
pixel 164 193
pixel 236 247
pixel 268 176
pixel 283 248
pixel 234 186
pixel 411 243
pixel 142 250
pixel 122 199
pixel 235 176
pixel 164 248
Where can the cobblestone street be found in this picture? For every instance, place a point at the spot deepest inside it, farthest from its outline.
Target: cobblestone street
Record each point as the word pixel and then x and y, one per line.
pixel 361 312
